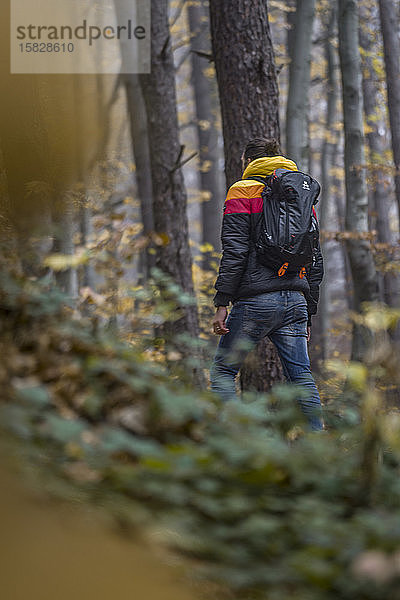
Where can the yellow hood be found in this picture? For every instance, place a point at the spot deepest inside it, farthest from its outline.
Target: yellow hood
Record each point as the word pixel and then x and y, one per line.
pixel 267 164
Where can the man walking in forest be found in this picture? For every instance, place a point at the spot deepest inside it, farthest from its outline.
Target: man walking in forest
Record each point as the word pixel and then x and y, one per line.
pixel 277 303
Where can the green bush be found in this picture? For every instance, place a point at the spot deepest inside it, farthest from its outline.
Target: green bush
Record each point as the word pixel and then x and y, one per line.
pixel 241 490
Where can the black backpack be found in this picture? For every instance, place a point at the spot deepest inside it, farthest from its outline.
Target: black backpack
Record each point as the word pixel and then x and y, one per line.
pixel 289 227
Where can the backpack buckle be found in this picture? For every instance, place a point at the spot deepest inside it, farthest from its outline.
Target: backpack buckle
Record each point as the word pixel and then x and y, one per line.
pixel 283 268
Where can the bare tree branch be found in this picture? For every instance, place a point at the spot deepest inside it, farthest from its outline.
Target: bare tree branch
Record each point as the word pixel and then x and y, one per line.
pixel 209 57
pixel 183 162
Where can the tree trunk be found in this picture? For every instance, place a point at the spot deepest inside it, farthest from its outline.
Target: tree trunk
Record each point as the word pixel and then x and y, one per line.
pixel 169 195
pixel 248 92
pixel 299 84
pixel 379 199
pixel 341 217
pixel 245 65
pixel 391 44
pixel 8 247
pixel 86 277
pixel 320 331
pixel 140 143
pixel 206 130
pixel 141 155
pixel 63 223
pixel 361 260
pixel 4 197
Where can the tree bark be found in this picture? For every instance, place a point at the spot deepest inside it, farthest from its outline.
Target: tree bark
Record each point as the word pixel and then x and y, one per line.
pixel 379 199
pixel 85 277
pixel 8 247
pixel 248 91
pixel 64 229
pixel 173 255
pixel 329 146
pixel 389 24
pixel 360 256
pixel 206 130
pixel 299 84
pixel 140 143
pixel 141 155
pixel 245 65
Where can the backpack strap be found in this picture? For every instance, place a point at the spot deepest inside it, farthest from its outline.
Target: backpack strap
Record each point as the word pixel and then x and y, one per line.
pixel 263 180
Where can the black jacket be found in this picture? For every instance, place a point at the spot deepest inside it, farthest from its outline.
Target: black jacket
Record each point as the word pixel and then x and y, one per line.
pixel 240 274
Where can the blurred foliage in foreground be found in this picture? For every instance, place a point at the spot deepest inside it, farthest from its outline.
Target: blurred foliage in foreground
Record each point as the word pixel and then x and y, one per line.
pixel 253 501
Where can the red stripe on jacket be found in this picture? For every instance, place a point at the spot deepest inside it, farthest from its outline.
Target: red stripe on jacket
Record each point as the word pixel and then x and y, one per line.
pixel 243 205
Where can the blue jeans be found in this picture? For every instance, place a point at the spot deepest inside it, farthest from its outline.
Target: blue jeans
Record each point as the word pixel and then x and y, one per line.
pixel 282 316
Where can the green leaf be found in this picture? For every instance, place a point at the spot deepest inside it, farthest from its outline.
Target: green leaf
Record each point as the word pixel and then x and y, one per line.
pixel 114 440
pixel 37 396
pixel 63 430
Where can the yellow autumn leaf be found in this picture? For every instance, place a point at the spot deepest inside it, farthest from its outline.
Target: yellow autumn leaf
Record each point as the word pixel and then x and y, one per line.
pixel 205 166
pixel 173 355
pixel 354 372
pixel 103 237
pixel 160 239
pixel 209 72
pixel 206 247
pixel 204 124
pixel 205 196
pixel 91 296
pixel 368 128
pixel 63 262
pixel 126 304
pixel 129 232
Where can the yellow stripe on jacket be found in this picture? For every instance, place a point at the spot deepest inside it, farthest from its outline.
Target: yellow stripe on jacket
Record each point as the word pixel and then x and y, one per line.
pixel 244 196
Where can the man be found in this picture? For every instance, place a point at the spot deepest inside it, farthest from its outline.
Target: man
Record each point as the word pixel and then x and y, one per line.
pixel 264 303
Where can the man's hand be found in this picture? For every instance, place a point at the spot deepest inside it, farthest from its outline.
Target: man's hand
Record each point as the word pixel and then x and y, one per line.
pixel 308 333
pixel 219 321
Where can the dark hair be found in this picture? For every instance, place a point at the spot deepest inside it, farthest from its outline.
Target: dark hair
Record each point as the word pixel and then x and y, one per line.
pixel 258 147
